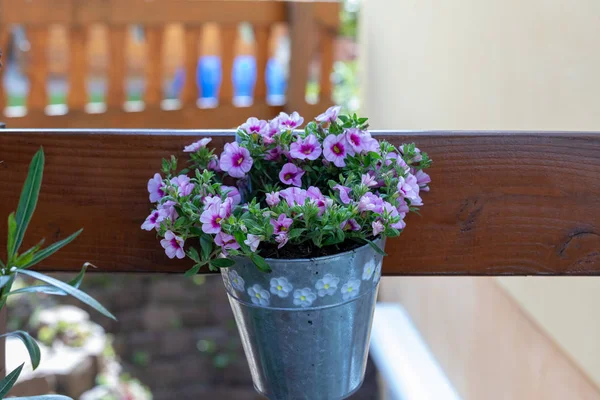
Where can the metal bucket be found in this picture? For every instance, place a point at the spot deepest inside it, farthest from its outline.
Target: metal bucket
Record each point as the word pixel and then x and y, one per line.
pixel 305 327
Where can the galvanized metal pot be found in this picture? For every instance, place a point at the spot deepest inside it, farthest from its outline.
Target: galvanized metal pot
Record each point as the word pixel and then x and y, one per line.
pixel 305 327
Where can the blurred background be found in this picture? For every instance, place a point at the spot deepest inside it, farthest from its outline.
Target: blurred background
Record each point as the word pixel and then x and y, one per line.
pixel 406 64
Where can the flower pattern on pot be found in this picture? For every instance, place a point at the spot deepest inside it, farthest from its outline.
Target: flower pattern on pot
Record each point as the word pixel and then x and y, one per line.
pixel 280 287
pixel 327 286
pixel 377 272
pixel 258 295
pixel 350 289
pixel 304 297
pixel 236 281
pixel 368 269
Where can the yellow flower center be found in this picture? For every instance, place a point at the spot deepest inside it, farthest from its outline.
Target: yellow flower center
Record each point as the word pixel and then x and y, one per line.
pixel 350 289
pixel 302 298
pixel 257 295
pixel 240 161
pixel 326 286
pixel 218 220
pixel 279 287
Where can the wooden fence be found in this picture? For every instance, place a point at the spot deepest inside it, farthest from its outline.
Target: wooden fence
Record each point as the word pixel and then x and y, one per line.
pixel 312 26
pixel 501 203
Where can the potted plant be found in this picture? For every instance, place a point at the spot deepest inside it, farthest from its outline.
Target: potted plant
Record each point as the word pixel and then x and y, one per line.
pixel 296 221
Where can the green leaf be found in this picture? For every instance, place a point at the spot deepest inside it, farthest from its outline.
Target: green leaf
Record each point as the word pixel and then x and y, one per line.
pixel 48 289
pixel 26 257
pixel 260 262
pixel 12 231
pixel 192 271
pixel 44 397
pixel 7 383
pixel 28 200
pixel 32 347
pixel 193 254
pixel 78 294
pixel 222 262
pixel 240 238
pixel 53 248
pixel 376 248
pixel 295 233
pixel 206 246
pixel 4 279
pixel 2 265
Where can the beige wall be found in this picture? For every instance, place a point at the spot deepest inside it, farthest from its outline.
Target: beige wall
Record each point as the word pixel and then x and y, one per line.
pixel 493 64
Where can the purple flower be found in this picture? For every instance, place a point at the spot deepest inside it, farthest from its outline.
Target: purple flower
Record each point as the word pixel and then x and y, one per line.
pixel 167 211
pixel 235 160
pixel 399 160
pixel 392 212
pixel 281 224
pixel 273 199
pixel 368 180
pixel 254 126
pixel 233 193
pixel 350 225
pixel 155 188
pixel 253 241
pixel 294 195
pixel 274 154
pixel 226 242
pixel 336 148
pixel 213 165
pixel 173 245
pixel 377 227
pixel 270 131
pixel 214 213
pixel 282 239
pixel 423 180
pixel 152 221
pixel 317 198
pixel 330 115
pixel 409 188
pixel 308 148
pixel 292 121
pixel 291 175
pixel 361 141
pixel 344 193
pixel 370 202
pixel 184 186
pixel 194 147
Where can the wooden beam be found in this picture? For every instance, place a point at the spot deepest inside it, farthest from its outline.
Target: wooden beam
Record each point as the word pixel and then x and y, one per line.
pixel 515 203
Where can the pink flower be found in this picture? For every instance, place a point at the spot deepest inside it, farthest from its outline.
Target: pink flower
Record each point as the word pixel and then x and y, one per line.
pixel 253 241
pixel 225 242
pixel 292 121
pixel 274 154
pixel 184 186
pixel 167 211
pixel 270 131
pixel 330 115
pixel 155 188
pixel 361 141
pixel 370 202
pixel 391 212
pixel 273 199
pixel 152 221
pixel 233 193
pixel 235 160
pixel 322 202
pixel 377 227
pixel 368 180
pixel 291 175
pixel 282 239
pixel 254 126
pixel 350 225
pixel 336 148
pixel 344 193
pixel 194 147
pixel 423 180
pixel 409 188
pixel 214 213
pixel 308 148
pixel 294 195
pixel 213 165
pixel 281 224
pixel 173 245
pixel 399 160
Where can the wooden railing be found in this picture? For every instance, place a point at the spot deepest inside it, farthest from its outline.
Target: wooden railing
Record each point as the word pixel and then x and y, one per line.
pixel 515 203
pixel 312 26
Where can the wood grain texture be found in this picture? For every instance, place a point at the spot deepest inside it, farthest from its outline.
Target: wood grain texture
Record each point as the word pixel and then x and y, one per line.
pixel 78 68
pixel 154 65
pixel 501 202
pixel 4 34
pixel 229 34
pixel 37 68
pixel 326 40
pixel 116 66
pixel 189 94
pixel 262 56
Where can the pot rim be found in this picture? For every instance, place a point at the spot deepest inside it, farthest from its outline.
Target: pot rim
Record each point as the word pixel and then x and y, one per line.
pixel 378 240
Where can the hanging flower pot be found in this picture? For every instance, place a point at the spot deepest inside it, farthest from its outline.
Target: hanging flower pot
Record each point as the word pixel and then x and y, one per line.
pixel 296 221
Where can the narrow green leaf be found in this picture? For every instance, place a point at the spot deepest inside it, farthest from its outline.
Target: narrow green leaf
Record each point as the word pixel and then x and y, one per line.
pixel 7 383
pixel 48 289
pixel 192 271
pixel 206 246
pixel 53 248
pixel 4 279
pixel 193 254
pixel 28 200
pixel 78 294
pixel 376 248
pixel 12 232
pixel 222 262
pixel 2 265
pixel 44 397
pixel 26 257
pixel 240 238
pixel 260 262
pixel 32 347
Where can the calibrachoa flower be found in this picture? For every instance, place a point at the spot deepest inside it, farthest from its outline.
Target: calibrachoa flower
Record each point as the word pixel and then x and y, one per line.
pixel 350 225
pixel 273 199
pixel 281 224
pixel 304 297
pixel 255 126
pixel 258 295
pixel 377 227
pixel 308 148
pixel 294 196
pixel 233 193
pixel 167 211
pixel 214 214
pixel 155 188
pixel 317 198
pixel 327 285
pixel 173 245
pixel 226 242
pixel 361 141
pixel 423 180
pixel 368 180
pixel 274 154
pixel 292 121
pixel 281 239
pixel 184 185
pixel 344 193
pixel 291 175
pixel 409 188
pixel 371 202
pixel 336 149
pixel 152 222
pixel 253 241
pixel 235 160
pixel 280 287
pixel 194 147
pixel 330 115
pixel 350 289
